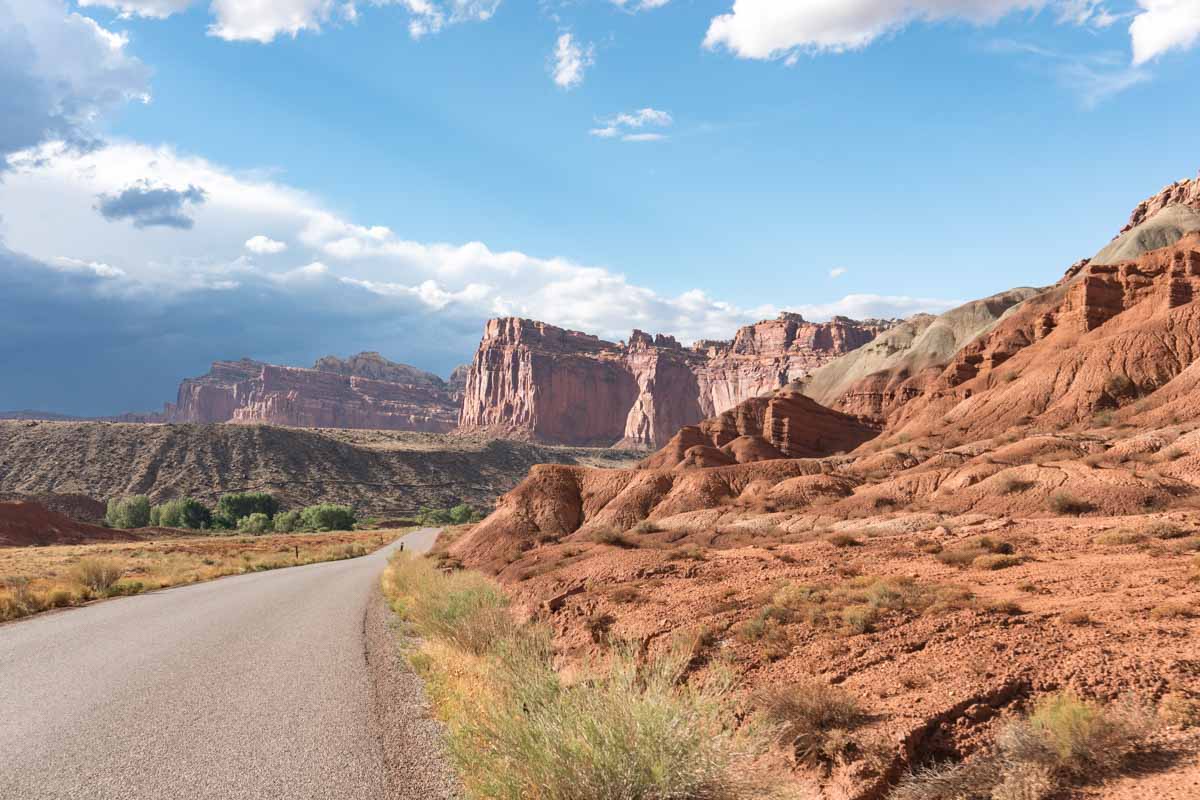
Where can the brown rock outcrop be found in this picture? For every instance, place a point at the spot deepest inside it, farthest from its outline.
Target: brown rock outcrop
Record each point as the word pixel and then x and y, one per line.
pixel 530 379
pixel 363 391
pixel 784 425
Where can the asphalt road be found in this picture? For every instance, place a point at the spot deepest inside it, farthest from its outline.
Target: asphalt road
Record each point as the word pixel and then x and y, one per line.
pixel 253 686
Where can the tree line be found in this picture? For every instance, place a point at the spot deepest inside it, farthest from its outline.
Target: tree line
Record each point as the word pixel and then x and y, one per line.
pixel 248 512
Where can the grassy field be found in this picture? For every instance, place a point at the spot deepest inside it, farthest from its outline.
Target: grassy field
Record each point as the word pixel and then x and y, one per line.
pixel 34 579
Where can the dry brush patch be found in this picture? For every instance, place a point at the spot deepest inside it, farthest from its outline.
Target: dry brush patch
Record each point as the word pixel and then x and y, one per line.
pixel 37 579
pixel 635 727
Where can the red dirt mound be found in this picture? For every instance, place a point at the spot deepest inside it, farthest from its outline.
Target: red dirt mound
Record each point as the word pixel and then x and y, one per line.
pixel 29 524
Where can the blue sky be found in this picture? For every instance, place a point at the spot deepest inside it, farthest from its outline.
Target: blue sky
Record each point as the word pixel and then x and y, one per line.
pixel 683 167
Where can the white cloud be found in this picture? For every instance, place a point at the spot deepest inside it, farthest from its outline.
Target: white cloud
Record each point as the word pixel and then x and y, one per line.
pixel 338 262
pixel 1093 77
pixel 571 60
pixel 264 20
pixel 60 72
pixel 866 306
pixel 264 245
pixel 639 5
pixel 100 270
pixel 837 272
pixel 1164 25
pixel 627 125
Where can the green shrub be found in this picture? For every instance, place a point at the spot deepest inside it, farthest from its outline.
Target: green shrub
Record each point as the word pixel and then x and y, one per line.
pixel 327 517
pixel 128 512
pixel 232 507
pixel 255 523
pixel 286 522
pixel 182 513
pixel 461 514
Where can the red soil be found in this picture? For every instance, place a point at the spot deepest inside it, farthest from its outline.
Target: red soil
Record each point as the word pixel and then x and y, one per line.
pixel 27 524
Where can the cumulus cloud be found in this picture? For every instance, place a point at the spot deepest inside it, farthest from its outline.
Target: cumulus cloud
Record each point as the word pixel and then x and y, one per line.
pixel 265 245
pixel 263 22
pixel 630 126
pixel 59 72
pixel 1164 25
pixel 148 206
pixel 571 60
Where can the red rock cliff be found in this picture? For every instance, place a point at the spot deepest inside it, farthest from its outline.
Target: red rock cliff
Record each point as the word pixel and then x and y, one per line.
pixel 363 391
pixel 530 379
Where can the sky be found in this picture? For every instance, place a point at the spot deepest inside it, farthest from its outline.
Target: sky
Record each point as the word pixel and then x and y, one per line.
pixel 190 180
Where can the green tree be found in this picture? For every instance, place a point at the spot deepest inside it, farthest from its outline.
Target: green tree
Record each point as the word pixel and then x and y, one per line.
pixel 233 507
pixel 327 517
pixel 286 521
pixel 257 522
pixel 184 512
pixel 128 512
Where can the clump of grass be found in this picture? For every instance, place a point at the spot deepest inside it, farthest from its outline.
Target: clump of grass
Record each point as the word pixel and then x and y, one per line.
pixel 994 561
pixel 843 540
pixel 97 575
pixel 862 604
pixel 635 729
pixel 614 538
pixel 1077 616
pixel 1180 710
pixel 1013 485
pixel 1172 611
pixel 624 594
pixel 648 526
pixel 1164 529
pixel 689 552
pixel 1066 503
pixel 976 552
pixel 1119 537
pixel 1065 742
pixel 808 718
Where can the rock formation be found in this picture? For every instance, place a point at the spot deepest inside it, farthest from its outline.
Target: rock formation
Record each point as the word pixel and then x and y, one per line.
pixel 363 391
pixel 530 379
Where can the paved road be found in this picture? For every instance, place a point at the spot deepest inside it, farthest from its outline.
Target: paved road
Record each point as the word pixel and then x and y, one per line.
pixel 254 686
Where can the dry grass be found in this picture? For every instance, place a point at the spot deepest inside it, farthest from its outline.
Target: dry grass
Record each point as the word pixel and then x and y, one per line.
pixel 41 578
pixel 636 728
pixel 1066 503
pixel 1065 742
pixel 809 718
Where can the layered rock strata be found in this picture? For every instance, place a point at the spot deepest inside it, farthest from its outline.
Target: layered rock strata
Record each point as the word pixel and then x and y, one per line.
pixel 534 380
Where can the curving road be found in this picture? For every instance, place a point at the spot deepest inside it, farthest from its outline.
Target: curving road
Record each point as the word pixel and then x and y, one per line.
pixel 254 686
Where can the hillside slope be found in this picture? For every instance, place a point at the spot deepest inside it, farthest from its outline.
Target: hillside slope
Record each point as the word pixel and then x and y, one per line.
pixel 378 472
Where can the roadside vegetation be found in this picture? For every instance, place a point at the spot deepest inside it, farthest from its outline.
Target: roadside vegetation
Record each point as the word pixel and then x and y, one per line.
pixel 634 728
pixel 35 579
pixel 244 512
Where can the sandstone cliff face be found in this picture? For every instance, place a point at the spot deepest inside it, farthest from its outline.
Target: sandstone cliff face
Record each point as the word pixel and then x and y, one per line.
pixel 534 380
pixel 363 391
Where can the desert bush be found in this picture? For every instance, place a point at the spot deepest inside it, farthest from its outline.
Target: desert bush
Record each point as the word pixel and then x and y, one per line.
pixel 1077 616
pixel 286 522
pixel 327 517
pixel 1165 529
pixel 1172 611
pixel 1065 741
pixel 996 561
pixel 233 507
pixel 1120 537
pixel 1180 710
pixel 182 513
pixel 97 574
pixel 807 716
pixel 254 523
pixel 1065 503
pixel 1013 485
pixel 1118 386
pixel 128 512
pixel 861 604
pixel 843 540
pixel 614 538
pixel 648 526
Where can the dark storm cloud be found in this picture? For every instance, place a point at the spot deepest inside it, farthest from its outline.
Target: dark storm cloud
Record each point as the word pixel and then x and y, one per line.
pixel 89 345
pixel 149 206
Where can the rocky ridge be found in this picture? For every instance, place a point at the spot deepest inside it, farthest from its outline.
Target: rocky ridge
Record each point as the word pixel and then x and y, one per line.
pixel 534 380
pixel 362 391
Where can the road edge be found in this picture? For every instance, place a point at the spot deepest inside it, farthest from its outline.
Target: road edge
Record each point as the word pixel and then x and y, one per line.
pixel 413 744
